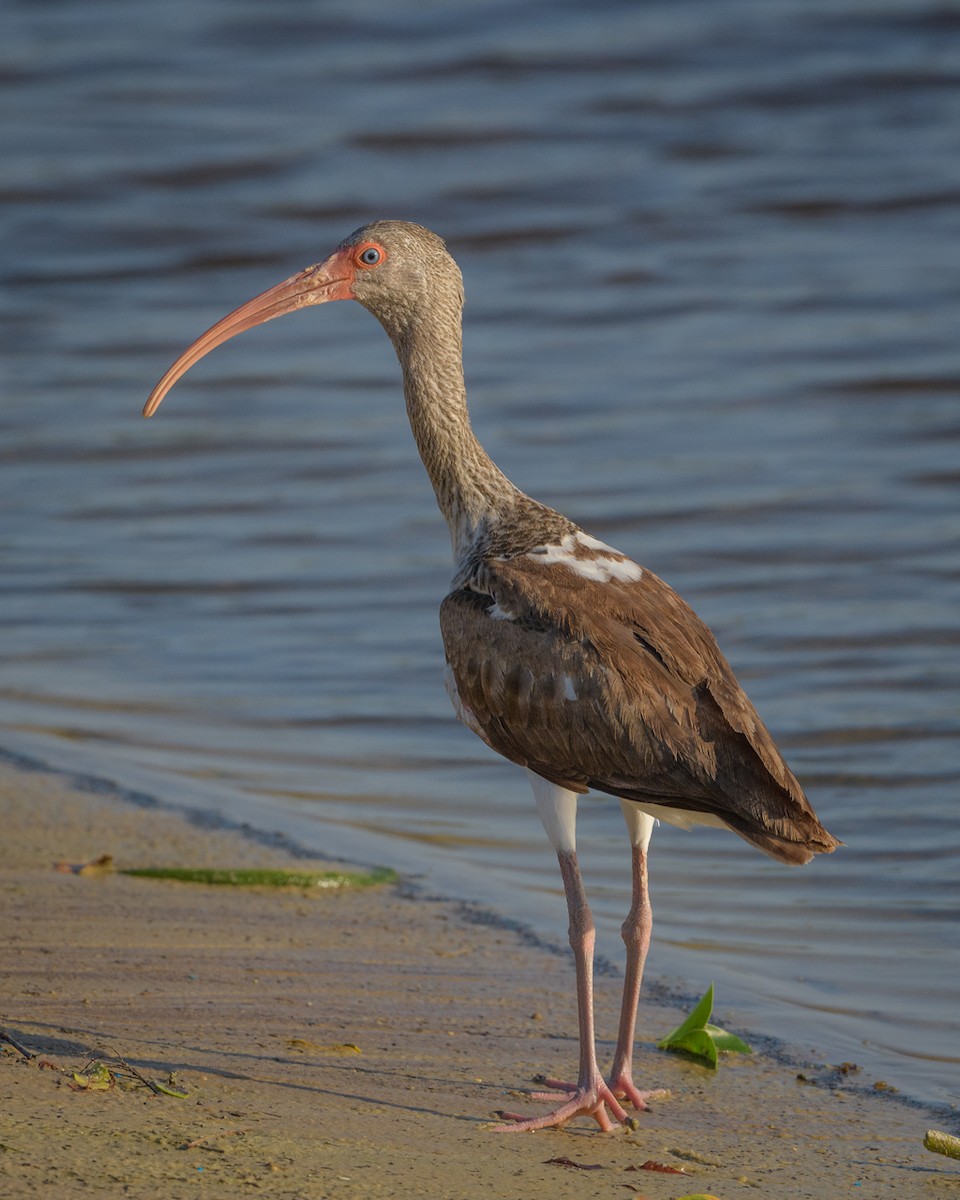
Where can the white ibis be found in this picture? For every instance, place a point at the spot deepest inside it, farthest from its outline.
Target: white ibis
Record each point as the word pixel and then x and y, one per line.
pixel 562 654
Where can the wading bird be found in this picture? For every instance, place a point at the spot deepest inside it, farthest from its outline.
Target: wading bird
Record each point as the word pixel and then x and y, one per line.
pixel 562 654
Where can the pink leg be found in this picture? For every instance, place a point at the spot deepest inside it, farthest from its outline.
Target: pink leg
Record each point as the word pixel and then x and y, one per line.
pixel 592 1096
pixel 636 931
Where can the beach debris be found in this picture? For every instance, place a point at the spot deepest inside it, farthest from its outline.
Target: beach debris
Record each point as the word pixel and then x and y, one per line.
pixel 253 877
pixel 664 1168
pixel 308 1047
pixel 942 1143
pixel 12 1041
pixel 103 1074
pixel 569 1162
pixel 699 1196
pixel 156 1088
pixel 696 1036
pixel 98 1078
pixel 97 866
pixel 240 877
pixel 164 1089
pixel 170 1088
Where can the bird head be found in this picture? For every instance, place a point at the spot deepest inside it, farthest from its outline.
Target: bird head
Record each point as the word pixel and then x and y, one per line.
pixel 399 271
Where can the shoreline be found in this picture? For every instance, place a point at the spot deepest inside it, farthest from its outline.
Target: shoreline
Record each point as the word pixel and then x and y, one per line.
pixel 354 1044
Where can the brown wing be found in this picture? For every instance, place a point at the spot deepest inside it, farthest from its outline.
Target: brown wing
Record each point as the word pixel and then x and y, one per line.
pixel 618 685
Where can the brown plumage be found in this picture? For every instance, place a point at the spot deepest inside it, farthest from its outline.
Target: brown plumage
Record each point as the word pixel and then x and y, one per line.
pixel 563 655
pixel 658 716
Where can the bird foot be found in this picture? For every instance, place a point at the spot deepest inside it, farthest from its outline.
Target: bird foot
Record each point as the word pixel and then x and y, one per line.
pixel 591 1101
pixel 622 1086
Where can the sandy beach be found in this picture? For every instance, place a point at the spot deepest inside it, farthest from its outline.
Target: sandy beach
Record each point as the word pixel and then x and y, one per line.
pixel 354 1044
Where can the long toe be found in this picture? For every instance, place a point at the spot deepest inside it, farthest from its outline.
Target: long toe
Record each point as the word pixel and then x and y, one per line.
pixel 551 1089
pixel 585 1102
pixel 624 1088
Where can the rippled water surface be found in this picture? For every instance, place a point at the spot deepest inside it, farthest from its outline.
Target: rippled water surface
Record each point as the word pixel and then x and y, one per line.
pixel 712 258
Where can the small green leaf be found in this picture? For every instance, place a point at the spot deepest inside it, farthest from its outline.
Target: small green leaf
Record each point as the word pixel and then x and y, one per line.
pixel 697 1019
pixel 727 1041
pixel 700 1044
pixel 165 1090
pixel 698 1037
pixel 97 1079
pixel 326 880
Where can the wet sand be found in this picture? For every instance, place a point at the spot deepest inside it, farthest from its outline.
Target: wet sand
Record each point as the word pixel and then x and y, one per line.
pixel 356 1044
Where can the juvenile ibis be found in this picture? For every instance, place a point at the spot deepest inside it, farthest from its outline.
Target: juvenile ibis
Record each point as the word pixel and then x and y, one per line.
pixel 562 654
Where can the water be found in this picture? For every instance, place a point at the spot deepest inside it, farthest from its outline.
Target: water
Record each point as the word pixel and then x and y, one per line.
pixel 712 256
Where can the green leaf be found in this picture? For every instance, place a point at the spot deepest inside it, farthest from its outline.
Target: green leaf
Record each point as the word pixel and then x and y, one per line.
pixel 698 1037
pixel 697 1019
pixel 700 1044
pixel 165 1090
pixel 328 880
pixel 97 1079
pixel 695 1022
pixel 728 1041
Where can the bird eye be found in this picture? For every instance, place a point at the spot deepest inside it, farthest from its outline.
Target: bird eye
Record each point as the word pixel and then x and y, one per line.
pixel 369 256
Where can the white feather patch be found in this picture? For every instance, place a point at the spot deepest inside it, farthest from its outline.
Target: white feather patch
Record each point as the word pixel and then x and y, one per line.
pixel 496 613
pixel 592 543
pixel 602 565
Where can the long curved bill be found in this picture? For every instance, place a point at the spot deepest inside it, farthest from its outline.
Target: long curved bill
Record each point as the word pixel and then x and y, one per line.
pixel 329 280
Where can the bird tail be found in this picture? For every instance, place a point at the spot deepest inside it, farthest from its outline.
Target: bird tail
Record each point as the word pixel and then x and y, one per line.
pixel 796 844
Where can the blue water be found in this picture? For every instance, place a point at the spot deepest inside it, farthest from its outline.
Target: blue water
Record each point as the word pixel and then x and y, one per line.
pixel 712 259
